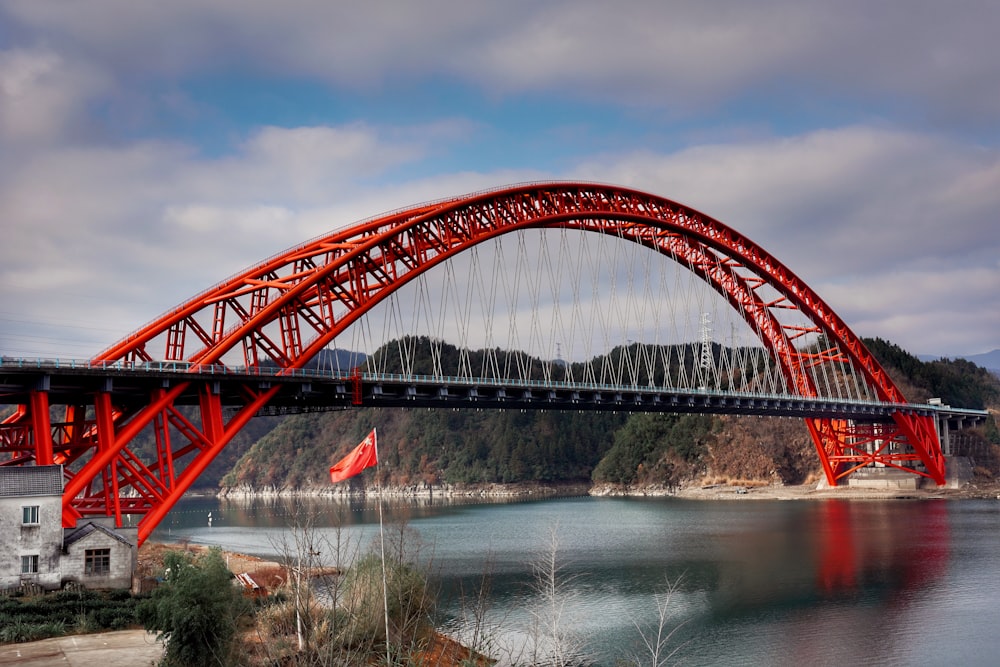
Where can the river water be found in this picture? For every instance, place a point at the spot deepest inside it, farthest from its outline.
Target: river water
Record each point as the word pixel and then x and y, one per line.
pixel 751 582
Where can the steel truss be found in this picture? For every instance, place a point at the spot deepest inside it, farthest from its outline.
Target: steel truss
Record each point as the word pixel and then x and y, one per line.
pixel 285 310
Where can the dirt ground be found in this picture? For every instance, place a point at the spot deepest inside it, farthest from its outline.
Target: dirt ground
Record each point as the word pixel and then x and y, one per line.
pixel 151 556
pixel 975 489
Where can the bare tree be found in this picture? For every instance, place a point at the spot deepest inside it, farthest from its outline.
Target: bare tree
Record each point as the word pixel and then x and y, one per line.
pixel 480 632
pixel 317 609
pixel 658 639
pixel 553 642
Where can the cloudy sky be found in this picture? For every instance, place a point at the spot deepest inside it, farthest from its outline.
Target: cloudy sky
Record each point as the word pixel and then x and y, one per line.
pixel 150 149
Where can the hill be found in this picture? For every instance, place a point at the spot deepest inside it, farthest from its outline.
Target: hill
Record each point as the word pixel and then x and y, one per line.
pixel 430 447
pixel 988 360
pixel 468 447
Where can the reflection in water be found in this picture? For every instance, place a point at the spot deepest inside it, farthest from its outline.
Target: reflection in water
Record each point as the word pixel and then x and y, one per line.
pixel 832 550
pixel 833 582
pixel 837 572
pixel 282 512
pixel 864 544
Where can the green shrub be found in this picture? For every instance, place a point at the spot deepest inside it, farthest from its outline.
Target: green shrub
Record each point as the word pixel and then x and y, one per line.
pixel 54 614
pixel 196 610
pixel 22 631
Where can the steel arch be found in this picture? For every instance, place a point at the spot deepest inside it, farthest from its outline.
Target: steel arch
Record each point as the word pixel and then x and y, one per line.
pixel 288 308
pixel 358 266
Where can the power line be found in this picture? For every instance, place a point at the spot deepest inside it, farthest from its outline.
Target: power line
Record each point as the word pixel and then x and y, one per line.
pixel 4 317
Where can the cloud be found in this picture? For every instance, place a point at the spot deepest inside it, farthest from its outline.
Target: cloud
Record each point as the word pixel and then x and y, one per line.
pixel 892 229
pixel 111 236
pixel 954 309
pixel 302 165
pixel 109 218
pixel 936 62
pixel 43 96
pixel 870 196
pixel 897 220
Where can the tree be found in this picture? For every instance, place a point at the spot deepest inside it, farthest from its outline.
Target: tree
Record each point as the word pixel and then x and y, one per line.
pixel 657 639
pixel 553 641
pixel 196 611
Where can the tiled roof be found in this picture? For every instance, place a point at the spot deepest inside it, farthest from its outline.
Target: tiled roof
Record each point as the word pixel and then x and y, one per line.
pixel 30 481
pixel 89 528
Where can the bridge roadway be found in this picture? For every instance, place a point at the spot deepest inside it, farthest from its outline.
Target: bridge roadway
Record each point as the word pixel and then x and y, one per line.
pixel 75 383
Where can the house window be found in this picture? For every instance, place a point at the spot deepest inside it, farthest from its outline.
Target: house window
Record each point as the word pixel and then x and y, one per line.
pixel 29 515
pixel 97 562
pixel 29 564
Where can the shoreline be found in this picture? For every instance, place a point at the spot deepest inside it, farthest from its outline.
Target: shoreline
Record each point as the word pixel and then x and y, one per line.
pixel 416 491
pixel 974 489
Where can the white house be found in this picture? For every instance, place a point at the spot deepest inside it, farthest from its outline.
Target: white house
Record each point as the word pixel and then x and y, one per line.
pixel 35 550
pixel 31 526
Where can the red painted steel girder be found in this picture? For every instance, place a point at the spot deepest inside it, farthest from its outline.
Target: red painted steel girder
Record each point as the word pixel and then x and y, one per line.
pixel 315 291
pixel 354 268
pixel 289 307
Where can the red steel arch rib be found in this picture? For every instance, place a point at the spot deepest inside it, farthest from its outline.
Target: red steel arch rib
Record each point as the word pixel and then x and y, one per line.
pixel 288 308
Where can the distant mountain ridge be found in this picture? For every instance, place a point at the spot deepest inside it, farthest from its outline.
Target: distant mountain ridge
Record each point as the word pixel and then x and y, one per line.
pixel 988 360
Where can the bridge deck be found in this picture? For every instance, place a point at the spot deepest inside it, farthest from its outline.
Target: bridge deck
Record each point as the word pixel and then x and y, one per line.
pixel 309 391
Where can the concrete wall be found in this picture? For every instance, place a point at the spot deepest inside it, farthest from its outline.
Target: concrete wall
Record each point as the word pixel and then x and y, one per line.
pixel 123 558
pixel 44 539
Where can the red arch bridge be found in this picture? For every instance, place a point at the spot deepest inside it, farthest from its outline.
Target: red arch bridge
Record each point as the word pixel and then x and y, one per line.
pixel 538 296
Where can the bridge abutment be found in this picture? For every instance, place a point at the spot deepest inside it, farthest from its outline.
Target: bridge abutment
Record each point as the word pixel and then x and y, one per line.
pixel 958 474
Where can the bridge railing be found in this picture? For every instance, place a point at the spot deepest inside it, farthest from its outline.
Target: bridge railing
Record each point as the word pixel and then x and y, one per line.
pixel 354 375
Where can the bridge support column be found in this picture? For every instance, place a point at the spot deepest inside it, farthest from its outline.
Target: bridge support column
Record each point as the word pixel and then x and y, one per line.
pixel 214 437
pixel 944 435
pixel 41 425
pixel 846 446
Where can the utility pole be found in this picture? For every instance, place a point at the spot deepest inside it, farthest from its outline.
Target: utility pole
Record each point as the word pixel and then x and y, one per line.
pixel 706 349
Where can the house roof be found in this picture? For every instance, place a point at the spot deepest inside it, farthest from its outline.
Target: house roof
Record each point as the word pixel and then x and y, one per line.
pixel 88 529
pixel 30 481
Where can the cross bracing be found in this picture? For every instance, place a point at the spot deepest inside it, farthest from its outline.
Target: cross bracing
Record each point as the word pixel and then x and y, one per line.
pixel 579 283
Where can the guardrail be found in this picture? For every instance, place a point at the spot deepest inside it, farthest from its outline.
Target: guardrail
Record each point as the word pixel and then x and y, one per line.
pixel 355 375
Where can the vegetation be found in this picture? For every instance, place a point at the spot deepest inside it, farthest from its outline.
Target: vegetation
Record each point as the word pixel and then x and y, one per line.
pixel 196 611
pixel 24 619
pixel 298 629
pixel 659 640
pixel 432 447
pixel 656 448
pixel 357 609
pixel 552 639
pixel 955 381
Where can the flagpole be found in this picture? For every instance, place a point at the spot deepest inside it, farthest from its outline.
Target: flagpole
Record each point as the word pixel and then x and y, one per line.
pixel 381 532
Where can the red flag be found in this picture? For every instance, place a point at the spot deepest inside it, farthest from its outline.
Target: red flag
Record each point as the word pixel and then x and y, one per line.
pixel 363 456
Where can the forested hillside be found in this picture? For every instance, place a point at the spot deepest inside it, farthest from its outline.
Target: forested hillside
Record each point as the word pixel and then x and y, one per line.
pixel 432 447
pixel 436 447
pixel 955 381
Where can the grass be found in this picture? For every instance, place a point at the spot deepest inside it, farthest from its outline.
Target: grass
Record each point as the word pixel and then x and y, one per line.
pixel 725 480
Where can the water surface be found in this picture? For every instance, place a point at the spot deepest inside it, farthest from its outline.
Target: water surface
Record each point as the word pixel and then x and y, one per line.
pixel 825 582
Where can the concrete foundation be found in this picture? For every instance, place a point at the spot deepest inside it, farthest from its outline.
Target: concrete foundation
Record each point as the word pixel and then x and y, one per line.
pixel 958 474
pixel 884 478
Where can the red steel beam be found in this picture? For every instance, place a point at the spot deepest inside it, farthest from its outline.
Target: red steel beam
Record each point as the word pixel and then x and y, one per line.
pixel 292 305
